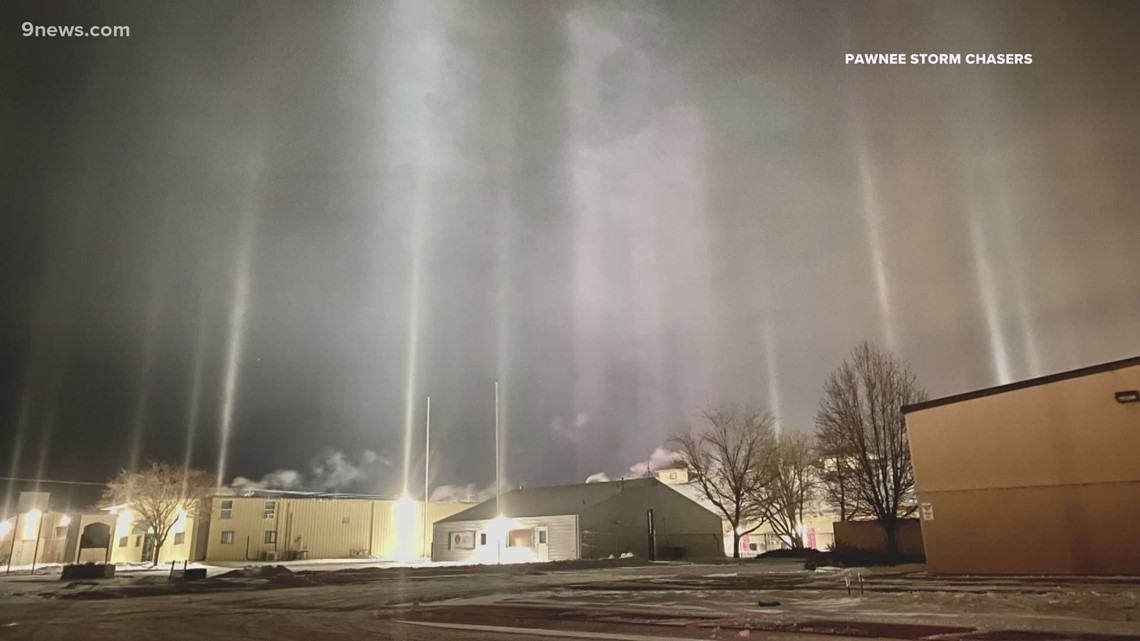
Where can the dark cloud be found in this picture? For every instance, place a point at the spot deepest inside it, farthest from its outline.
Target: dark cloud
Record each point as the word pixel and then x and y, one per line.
pixel 622 212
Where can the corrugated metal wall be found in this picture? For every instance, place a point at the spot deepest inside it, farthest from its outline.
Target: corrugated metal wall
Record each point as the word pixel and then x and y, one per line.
pixel 619 525
pixel 321 528
pixel 562 540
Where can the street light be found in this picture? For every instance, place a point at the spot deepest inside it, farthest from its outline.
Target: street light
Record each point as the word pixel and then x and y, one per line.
pixel 12 548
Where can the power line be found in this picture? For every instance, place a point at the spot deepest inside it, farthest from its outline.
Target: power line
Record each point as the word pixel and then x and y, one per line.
pixel 56 481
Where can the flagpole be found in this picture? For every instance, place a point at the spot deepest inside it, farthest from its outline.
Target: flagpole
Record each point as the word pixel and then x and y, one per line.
pixel 498 475
pixel 498 455
pixel 427 479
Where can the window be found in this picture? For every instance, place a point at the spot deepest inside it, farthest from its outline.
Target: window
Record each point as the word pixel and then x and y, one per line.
pixel 270 509
pixel 542 537
pixel 482 538
pixel 345 520
pixel 753 547
pixel 271 536
pixel 228 537
pixel 138 540
pixel 227 510
pixel 179 538
pixel 520 539
pixel 123 542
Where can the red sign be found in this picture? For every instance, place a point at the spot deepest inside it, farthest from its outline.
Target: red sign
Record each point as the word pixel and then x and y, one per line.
pixel 461 541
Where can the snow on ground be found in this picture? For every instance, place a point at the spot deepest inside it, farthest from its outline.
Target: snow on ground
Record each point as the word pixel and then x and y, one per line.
pixel 350 595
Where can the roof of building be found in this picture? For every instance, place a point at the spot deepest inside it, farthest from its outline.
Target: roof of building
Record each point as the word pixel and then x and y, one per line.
pixel 247 492
pixel 549 501
pixel 1032 382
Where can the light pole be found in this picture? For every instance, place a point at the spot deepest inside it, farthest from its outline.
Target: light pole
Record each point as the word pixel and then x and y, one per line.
pixel 427 479
pixel 498 463
pixel 498 478
pixel 39 535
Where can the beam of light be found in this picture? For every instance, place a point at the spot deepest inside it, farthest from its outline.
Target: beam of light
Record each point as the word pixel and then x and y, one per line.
pixel 871 211
pixel 413 354
pixel 123 523
pixel 587 47
pixel 32 524
pixel 1015 254
pixel 194 407
pixel 142 385
pixel 504 205
pixel 27 397
pixel 415 108
pixel 989 187
pixel 621 189
pixel 47 430
pixel 773 375
pixel 235 340
pixel 990 305
pixel 180 524
pixel 406 522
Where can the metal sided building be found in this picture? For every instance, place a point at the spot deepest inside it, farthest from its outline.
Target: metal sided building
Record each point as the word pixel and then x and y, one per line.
pixel 1036 477
pixel 582 521
pixel 276 526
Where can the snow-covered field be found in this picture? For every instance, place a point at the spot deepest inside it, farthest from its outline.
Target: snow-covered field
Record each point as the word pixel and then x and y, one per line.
pixel 368 599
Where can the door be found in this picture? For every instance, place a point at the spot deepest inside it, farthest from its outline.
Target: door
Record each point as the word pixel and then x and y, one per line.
pixel 148 549
pixel 542 544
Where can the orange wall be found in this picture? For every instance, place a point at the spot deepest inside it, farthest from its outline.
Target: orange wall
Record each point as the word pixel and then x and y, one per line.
pixel 870 535
pixel 1039 480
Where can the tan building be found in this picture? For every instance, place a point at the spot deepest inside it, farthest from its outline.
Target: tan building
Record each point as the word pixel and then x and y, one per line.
pixel 262 527
pixel 1036 477
pixel 817 528
pixel 34 532
pixel 270 526
pixel 51 536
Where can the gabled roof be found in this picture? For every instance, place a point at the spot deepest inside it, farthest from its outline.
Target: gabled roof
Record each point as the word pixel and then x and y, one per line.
pixel 549 501
pixel 1032 382
pixel 246 492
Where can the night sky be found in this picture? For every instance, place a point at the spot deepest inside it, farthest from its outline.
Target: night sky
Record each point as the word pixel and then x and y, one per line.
pixel 286 219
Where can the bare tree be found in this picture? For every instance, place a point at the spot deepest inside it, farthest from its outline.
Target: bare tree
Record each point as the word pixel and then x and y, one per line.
pixel 788 486
pixel 837 483
pixel 860 420
pixel 157 495
pixel 728 461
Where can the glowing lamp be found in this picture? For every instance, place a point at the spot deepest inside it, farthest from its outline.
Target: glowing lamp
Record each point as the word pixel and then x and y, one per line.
pixel 32 524
pixel 64 521
pixel 124 524
pixel 406 523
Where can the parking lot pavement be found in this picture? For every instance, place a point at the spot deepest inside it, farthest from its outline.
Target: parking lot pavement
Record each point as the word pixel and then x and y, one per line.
pixel 772 599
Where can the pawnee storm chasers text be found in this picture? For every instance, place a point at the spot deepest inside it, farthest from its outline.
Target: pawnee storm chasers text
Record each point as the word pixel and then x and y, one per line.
pixel 938 59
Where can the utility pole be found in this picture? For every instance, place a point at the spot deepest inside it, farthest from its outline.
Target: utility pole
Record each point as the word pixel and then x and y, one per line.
pixel 39 535
pixel 12 549
pixel 498 480
pixel 427 479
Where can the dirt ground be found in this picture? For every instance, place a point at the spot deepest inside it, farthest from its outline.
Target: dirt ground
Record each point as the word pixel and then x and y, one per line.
pixel 625 599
